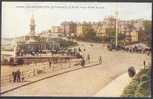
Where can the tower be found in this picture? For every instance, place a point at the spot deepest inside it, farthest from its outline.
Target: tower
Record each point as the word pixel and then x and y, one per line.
pixel 32 26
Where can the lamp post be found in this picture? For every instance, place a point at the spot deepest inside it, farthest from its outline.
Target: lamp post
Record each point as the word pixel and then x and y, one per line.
pixel 116 35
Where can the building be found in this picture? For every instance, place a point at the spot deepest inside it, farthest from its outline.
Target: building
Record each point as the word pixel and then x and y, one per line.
pixel 83 28
pixel 69 28
pixel 34 43
pixel 79 30
pixel 95 26
pixel 57 29
pixel 138 24
pixel 132 29
pixel 101 30
pixel 132 37
pixel 107 26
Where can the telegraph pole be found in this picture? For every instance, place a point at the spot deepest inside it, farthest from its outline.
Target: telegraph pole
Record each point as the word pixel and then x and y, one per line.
pixel 116 35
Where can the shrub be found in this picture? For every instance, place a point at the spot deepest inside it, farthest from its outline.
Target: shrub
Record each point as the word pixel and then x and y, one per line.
pixel 139 86
pixel 66 44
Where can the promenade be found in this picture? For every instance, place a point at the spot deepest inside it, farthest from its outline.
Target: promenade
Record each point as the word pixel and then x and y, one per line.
pixel 85 81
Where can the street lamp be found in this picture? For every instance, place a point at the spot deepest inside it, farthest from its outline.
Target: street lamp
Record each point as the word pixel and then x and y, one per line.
pixel 116 35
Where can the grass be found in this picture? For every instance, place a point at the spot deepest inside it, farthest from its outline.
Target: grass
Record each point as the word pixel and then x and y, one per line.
pixel 66 44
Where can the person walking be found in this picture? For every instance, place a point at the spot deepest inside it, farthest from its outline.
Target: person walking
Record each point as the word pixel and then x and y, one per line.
pixel 18 75
pixel 14 76
pixel 22 76
pixel 82 62
pixel 88 58
pixel 100 60
pixel 50 63
pixel 84 49
pixel 144 64
pixel 79 49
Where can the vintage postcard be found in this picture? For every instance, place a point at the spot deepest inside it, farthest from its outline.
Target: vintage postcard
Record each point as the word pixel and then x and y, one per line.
pixel 94 49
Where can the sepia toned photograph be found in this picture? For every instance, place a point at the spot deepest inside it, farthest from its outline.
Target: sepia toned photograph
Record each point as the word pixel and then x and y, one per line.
pixel 76 49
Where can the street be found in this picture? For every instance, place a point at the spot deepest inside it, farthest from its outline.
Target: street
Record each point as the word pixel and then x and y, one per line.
pixel 87 81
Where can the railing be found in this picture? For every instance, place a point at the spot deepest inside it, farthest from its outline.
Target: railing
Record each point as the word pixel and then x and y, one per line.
pixel 37 69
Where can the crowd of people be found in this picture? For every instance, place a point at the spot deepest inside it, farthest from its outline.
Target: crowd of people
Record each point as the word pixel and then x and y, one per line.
pixel 134 49
pixel 137 50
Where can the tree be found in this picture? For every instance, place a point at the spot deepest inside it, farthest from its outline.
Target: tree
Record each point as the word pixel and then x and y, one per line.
pixel 49 30
pixel 112 37
pixel 147 30
pixel 90 35
pixel 87 28
pixel 147 26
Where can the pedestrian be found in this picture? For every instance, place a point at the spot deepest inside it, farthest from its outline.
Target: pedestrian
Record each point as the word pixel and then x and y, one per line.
pixel 79 49
pixel 22 77
pixel 18 75
pixel 100 60
pixel 144 63
pixel 82 62
pixel 50 63
pixel 14 76
pixel 88 58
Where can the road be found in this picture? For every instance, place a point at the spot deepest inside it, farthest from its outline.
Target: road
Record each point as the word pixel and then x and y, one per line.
pixel 87 81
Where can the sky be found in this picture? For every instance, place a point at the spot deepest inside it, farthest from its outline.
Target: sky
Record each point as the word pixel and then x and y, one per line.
pixel 16 15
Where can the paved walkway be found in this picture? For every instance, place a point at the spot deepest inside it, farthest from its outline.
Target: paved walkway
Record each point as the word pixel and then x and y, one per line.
pixel 14 86
pixel 88 81
pixel 115 88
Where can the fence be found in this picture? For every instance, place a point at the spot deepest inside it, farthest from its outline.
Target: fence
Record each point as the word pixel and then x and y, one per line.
pixel 37 69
